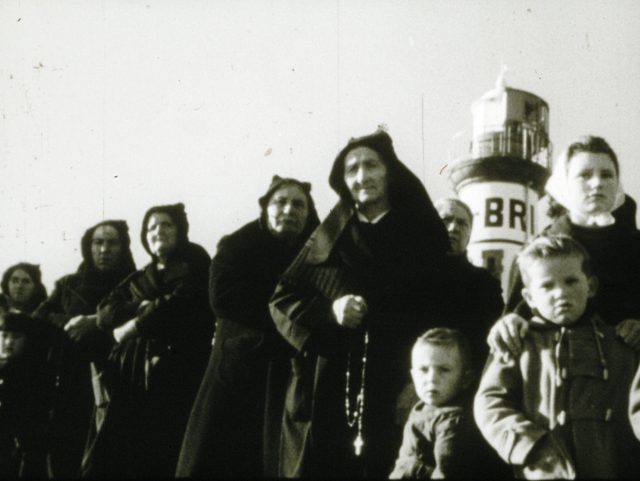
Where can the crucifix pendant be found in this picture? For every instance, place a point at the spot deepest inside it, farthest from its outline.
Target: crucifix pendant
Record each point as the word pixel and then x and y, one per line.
pixel 358 443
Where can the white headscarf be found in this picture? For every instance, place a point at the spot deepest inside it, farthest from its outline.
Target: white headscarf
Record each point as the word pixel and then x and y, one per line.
pixel 558 188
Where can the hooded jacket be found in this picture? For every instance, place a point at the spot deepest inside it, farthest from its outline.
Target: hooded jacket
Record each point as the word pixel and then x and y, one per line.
pixel 566 395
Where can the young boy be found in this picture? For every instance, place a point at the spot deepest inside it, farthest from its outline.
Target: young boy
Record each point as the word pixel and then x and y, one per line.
pixel 560 409
pixel 440 438
pixel 24 394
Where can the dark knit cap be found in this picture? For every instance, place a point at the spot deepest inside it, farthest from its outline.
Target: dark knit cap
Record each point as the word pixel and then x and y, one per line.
pixel 179 217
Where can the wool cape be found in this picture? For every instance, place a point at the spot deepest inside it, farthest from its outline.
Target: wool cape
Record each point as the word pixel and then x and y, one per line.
pixel 149 381
pixel 73 399
pixel 224 436
pixel 396 265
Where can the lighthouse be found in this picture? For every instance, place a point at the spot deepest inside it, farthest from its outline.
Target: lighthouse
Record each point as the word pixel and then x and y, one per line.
pixel 500 174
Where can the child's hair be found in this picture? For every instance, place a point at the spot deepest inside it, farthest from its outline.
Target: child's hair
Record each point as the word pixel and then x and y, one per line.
pixel 443 336
pixel 552 246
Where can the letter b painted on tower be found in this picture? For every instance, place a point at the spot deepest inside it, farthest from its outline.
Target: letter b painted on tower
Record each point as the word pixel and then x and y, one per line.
pixel 493 212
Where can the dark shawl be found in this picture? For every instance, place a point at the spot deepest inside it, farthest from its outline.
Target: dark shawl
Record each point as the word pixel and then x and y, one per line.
pixel 224 434
pixel 73 399
pixel 397 266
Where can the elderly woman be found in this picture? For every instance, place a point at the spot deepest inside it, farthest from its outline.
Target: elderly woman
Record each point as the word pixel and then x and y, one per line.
pixel 106 261
pixel 23 288
pixel 586 182
pixel 225 431
pixel 160 318
pixel 352 303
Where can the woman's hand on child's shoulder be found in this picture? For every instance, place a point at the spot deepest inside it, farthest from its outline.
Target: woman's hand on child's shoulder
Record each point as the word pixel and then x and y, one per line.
pixel 505 337
pixel 629 331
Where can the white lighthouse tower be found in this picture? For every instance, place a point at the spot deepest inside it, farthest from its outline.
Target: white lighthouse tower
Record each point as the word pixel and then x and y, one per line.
pixel 501 174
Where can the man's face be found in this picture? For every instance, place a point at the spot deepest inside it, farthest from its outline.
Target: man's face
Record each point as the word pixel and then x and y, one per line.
pixel 438 373
pixel 105 248
pixel 287 212
pixel 458 224
pixel 366 176
pixel 558 288
pixel 12 344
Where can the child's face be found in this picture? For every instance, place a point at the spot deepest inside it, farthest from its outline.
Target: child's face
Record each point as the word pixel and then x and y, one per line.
pixel 438 374
pixel 12 344
pixel 559 289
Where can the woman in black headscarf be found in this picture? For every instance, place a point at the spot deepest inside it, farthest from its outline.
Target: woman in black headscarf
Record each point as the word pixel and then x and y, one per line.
pixel 224 435
pixel 160 319
pixel 23 288
pixel 106 261
pixel 352 303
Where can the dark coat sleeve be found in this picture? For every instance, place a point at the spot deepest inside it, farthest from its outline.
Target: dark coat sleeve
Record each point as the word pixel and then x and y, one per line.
pixel 304 317
pixel 167 312
pixel 52 309
pixel 118 306
pixel 234 286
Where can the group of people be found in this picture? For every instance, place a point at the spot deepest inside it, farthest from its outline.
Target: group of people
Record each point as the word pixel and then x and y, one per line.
pixel 351 347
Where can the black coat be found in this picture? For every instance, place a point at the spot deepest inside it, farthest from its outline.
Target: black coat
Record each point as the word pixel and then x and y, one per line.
pixel 25 392
pixel 149 381
pixel 399 276
pixel 73 399
pixel 615 257
pixel 224 434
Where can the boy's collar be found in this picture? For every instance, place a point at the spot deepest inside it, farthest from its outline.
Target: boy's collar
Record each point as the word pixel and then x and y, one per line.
pixel 539 321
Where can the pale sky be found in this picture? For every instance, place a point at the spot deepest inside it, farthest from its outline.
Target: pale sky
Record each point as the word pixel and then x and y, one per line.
pixel 109 107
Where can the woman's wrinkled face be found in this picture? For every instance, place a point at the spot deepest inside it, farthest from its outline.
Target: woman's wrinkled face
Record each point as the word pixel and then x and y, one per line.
pixel 162 234
pixel 592 183
pixel 21 287
pixel 287 212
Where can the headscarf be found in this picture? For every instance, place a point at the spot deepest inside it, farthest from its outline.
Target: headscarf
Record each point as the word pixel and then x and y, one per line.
pixel 125 263
pixel 179 217
pixel 33 271
pixel 276 183
pixel 557 188
pixel 407 194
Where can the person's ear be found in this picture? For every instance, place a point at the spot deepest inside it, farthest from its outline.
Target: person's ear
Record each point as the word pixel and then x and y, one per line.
pixel 526 295
pixel 594 283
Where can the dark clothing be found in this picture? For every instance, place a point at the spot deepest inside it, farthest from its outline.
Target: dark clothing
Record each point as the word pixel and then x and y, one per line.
pixel 26 387
pixel 224 434
pixel 397 274
pixel 24 393
pixel 567 394
pixel 473 303
pixel 150 380
pixel 73 399
pixel 615 256
pixel 443 442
